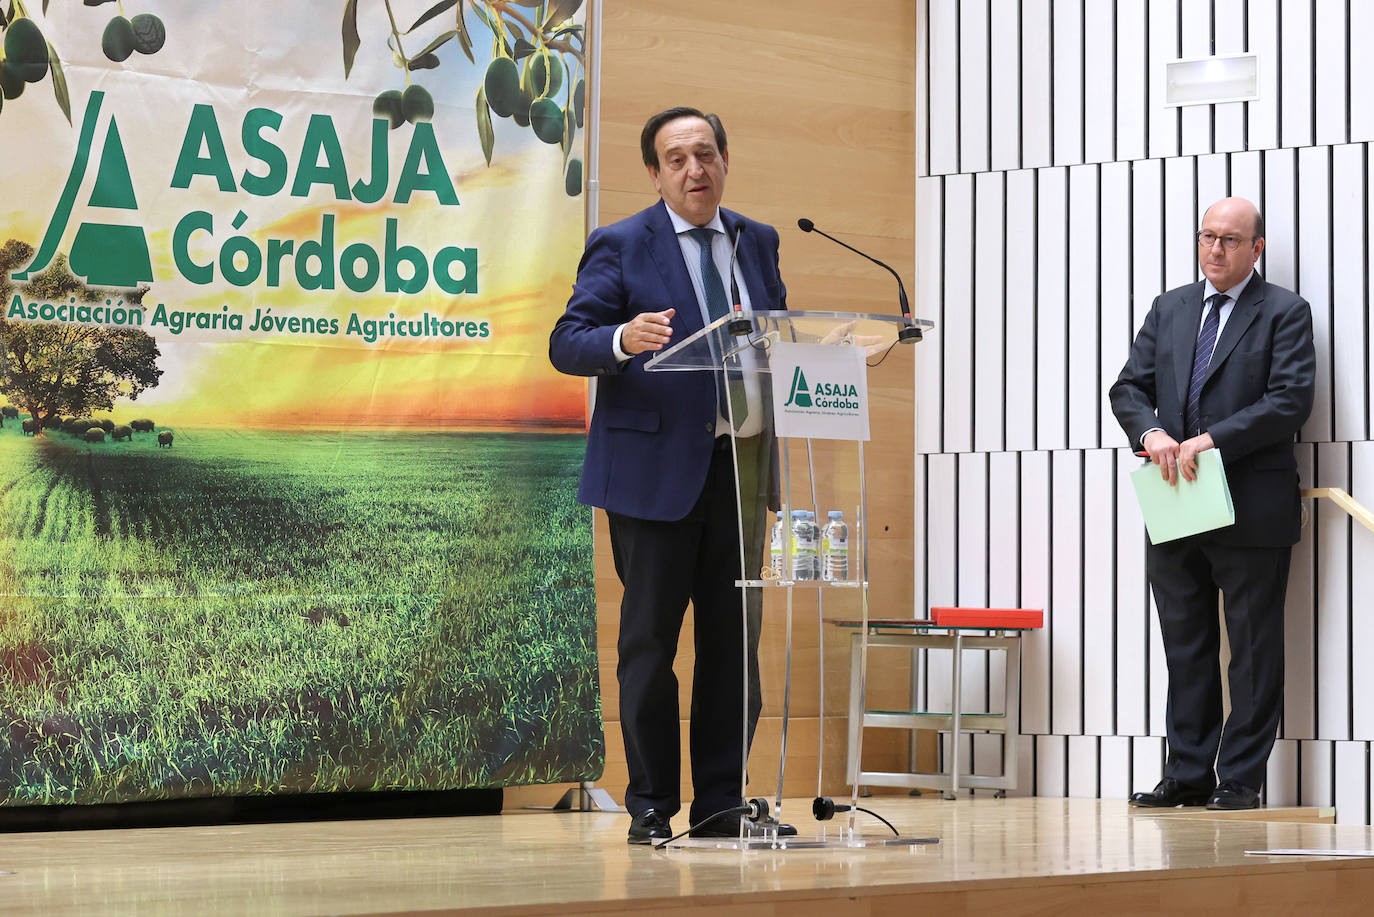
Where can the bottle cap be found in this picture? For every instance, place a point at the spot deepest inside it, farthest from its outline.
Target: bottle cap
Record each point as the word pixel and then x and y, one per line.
pixel 836 514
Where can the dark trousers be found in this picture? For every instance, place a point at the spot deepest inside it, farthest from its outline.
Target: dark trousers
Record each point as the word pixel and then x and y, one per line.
pixel 1186 575
pixel 661 566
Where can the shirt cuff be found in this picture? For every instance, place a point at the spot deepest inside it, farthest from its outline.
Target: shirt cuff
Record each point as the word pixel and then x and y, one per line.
pixel 620 355
pixel 1143 435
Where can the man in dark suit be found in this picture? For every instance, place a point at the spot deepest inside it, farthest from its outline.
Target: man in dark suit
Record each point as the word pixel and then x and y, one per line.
pixel 659 462
pixel 1227 363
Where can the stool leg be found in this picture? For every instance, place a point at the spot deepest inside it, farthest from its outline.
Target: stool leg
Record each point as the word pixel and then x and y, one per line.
pixel 957 702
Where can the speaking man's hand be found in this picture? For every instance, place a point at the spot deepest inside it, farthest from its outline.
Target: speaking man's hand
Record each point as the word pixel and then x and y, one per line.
pixel 647 331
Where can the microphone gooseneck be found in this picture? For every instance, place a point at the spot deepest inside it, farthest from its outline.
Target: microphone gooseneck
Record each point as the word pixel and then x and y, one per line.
pixel 909 332
pixel 736 326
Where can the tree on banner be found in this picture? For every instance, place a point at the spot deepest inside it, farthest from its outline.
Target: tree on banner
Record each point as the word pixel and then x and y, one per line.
pixel 66 367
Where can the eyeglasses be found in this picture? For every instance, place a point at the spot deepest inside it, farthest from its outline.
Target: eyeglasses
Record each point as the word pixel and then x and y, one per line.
pixel 1206 239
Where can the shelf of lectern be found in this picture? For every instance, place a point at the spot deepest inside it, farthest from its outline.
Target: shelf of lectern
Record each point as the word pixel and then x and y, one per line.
pixel 803 583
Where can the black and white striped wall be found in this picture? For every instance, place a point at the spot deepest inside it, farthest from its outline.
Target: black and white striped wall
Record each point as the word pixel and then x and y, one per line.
pixel 1056 196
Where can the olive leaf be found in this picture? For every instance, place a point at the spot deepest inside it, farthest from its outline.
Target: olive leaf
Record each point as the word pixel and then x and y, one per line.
pixel 561 11
pixel 495 29
pixel 522 49
pixel 423 62
pixel 436 44
pixel 351 41
pixel 484 131
pixel 430 13
pixel 59 83
pixel 569 128
pixel 464 38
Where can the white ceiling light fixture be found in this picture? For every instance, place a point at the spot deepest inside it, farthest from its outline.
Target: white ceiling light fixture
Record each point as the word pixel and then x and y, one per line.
pixel 1210 80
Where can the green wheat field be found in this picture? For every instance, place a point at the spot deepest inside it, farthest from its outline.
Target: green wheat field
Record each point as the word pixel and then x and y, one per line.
pixel 262 612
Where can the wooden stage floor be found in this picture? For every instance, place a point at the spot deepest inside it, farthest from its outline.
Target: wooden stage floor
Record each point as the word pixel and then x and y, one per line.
pixel 996 856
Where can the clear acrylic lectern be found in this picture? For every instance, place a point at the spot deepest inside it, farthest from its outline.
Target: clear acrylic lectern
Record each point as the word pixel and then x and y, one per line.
pixel 742 348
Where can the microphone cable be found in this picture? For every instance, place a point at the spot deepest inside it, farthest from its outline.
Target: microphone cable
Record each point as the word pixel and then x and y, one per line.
pixel 754 809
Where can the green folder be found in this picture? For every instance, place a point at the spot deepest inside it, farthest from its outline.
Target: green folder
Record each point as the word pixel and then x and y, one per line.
pixel 1189 507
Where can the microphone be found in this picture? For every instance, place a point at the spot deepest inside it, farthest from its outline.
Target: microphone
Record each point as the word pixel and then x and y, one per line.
pixel 736 326
pixel 909 333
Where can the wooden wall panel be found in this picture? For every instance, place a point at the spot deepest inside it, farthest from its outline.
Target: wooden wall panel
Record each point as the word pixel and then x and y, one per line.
pixel 1352 783
pixel 1228 118
pixel 1099 591
pixel 1084 233
pixel 974 102
pixel 1349 294
pixel 821 122
pixel 1132 81
pixel 1099 84
pixel 1361 74
pixel 956 337
pixel 1330 532
pixel 1037 119
pixel 1020 401
pixel 989 317
pixel 1195 40
pixel 1005 90
pixel 1066 43
pixel 1295 68
pixel 1332 70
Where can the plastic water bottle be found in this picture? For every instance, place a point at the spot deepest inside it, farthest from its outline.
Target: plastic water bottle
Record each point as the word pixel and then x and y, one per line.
pixel 803 547
pixel 835 547
pixel 775 557
pixel 815 545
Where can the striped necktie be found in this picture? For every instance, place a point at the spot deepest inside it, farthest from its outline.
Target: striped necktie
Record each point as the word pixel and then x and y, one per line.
pixel 1202 358
pixel 730 388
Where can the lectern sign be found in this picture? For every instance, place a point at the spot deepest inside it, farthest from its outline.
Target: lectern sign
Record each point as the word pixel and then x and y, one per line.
pixel 820 391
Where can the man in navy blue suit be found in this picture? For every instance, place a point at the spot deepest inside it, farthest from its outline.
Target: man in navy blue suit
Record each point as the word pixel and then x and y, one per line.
pixel 659 462
pixel 1227 363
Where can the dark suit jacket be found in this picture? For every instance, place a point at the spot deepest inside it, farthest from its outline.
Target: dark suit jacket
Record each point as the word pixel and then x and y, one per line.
pixel 652 434
pixel 1255 398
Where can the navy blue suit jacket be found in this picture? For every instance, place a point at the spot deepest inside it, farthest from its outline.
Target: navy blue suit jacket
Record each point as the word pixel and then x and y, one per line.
pixel 652 434
pixel 1256 396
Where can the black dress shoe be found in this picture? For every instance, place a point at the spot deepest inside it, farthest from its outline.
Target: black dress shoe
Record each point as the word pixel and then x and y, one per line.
pixel 649 826
pixel 1169 793
pixel 728 826
pixel 1233 795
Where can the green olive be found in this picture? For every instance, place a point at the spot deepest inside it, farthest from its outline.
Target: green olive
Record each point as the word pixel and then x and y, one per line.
pixel 502 83
pixel 149 33
pixel 544 74
pixel 417 104
pixel 521 115
pixel 11 84
pixel 547 120
pixel 118 41
pixel 572 182
pixel 388 106
pixel 26 51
